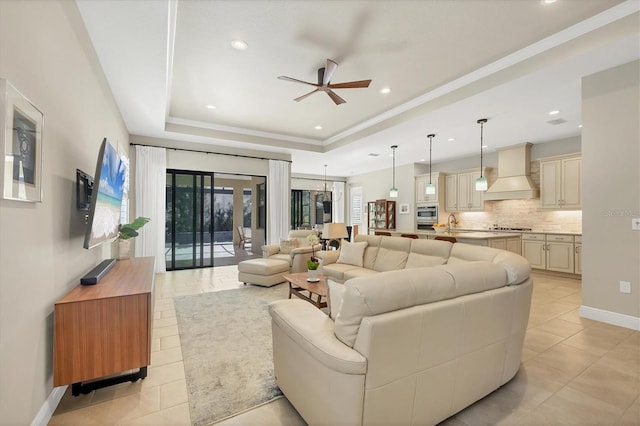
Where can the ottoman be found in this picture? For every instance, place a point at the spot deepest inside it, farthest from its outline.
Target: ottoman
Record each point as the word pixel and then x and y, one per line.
pixel 264 272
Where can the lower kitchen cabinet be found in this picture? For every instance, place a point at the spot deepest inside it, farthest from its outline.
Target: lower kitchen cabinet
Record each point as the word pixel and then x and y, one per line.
pixel 512 244
pixel 551 252
pixel 533 249
pixel 577 258
pixel 560 253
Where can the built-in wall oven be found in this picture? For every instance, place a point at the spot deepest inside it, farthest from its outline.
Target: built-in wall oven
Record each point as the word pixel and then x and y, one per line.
pixel 426 216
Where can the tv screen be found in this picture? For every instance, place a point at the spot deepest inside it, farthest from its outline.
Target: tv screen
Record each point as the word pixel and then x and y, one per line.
pixel 106 197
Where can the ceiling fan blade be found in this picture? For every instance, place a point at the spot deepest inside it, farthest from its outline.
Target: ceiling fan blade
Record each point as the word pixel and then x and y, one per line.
pixel 351 84
pixel 337 99
pixel 295 80
pixel 328 71
pixel 304 96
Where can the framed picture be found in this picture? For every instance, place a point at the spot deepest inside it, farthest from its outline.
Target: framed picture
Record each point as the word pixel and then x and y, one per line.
pixel 404 208
pixel 21 144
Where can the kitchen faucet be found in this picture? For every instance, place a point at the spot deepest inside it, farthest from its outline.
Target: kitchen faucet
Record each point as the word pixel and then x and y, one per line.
pixel 451 216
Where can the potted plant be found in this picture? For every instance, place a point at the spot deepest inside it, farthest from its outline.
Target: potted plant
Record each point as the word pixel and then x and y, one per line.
pixel 313 263
pixel 125 233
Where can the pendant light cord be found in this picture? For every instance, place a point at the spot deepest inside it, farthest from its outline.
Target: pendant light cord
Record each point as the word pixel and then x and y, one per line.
pixel 430 141
pixel 481 122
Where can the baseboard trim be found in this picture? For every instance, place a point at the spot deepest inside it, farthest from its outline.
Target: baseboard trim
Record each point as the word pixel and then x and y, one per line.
pixel 613 318
pixel 49 407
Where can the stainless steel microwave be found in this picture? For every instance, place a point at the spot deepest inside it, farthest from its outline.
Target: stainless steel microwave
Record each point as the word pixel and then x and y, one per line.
pixel 427 213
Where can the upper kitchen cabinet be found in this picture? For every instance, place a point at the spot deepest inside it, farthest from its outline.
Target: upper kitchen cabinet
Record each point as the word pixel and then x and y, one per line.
pixel 461 194
pixel 421 184
pixel 560 183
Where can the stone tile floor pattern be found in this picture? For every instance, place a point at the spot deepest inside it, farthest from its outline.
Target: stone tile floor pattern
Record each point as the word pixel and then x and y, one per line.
pixel 575 371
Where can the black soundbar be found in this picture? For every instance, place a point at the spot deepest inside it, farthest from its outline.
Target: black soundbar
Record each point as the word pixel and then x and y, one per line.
pixel 96 274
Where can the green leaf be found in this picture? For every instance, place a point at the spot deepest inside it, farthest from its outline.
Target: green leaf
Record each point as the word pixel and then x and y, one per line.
pixel 130 230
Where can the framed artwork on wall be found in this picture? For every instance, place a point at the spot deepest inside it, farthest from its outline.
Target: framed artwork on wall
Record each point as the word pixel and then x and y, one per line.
pixel 404 208
pixel 21 143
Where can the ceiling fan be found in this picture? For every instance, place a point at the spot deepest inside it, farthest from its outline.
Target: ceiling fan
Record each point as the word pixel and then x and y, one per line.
pixel 324 83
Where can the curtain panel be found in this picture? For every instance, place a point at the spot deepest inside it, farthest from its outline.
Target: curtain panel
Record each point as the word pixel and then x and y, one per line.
pixel 278 201
pixel 338 204
pixel 150 196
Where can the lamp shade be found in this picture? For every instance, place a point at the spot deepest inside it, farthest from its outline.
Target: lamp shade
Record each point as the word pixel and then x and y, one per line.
pixel 333 231
pixel 393 193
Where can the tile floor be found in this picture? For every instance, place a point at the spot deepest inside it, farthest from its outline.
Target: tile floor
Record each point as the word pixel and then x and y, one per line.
pixel 575 371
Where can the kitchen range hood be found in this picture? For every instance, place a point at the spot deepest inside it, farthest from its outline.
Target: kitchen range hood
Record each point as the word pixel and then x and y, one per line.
pixel 514 175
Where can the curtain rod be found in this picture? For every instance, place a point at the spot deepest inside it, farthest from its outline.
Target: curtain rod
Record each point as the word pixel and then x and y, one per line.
pixel 209 152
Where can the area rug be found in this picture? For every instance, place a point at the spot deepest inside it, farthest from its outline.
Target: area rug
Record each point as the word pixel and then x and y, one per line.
pixel 227 350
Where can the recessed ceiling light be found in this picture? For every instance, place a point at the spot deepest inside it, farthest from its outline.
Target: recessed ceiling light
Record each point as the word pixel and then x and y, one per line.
pixel 580 126
pixel 554 112
pixel 451 139
pixel 385 90
pixel 423 160
pixel 485 146
pixel 211 107
pixel 548 1
pixel 318 127
pixel 239 44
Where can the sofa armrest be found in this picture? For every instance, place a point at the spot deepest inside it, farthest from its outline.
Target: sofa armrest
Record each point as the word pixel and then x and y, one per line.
pixel 312 330
pixel 305 249
pixel 328 257
pixel 270 250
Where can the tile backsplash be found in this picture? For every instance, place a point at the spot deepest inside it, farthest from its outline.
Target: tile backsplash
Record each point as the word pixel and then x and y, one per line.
pixel 522 214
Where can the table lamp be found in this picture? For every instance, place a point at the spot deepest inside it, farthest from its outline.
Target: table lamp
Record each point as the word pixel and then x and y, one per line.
pixel 334 232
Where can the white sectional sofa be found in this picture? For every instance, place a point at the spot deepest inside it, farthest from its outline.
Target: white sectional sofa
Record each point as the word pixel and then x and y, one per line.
pixel 413 345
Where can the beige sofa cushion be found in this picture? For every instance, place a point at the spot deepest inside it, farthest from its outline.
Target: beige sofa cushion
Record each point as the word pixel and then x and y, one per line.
pixel 371 252
pixel 301 235
pixel 393 254
pixel 426 253
pixel 352 253
pixel 287 245
pixel 391 291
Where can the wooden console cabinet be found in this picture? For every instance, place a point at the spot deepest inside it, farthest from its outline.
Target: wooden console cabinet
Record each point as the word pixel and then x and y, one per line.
pixel 105 329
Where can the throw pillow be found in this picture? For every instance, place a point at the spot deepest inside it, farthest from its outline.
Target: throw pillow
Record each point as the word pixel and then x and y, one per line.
pixel 286 246
pixel 352 253
pixel 335 292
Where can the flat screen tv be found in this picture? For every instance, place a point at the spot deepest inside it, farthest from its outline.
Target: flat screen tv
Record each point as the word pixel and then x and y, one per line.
pixel 106 197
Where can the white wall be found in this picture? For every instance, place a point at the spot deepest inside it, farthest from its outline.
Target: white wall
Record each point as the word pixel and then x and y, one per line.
pixel 376 185
pixel 45 52
pixel 611 192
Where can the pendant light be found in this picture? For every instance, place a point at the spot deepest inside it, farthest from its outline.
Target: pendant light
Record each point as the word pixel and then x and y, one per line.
pixel 481 182
pixel 430 189
pixel 393 192
pixel 326 202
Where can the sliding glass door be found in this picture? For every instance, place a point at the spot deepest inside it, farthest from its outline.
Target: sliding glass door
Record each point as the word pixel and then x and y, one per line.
pixel 189 219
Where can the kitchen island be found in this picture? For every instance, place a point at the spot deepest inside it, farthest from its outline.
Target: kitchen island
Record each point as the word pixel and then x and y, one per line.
pixel 500 240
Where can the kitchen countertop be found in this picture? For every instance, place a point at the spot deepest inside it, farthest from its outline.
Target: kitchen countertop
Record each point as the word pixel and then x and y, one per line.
pixel 533 231
pixel 469 235
pixel 479 234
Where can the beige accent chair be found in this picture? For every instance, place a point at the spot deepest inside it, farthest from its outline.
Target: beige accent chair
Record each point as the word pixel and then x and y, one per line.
pixel 408 346
pixel 298 257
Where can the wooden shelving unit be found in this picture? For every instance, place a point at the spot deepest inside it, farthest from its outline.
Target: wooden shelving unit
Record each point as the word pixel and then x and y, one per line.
pixel 381 214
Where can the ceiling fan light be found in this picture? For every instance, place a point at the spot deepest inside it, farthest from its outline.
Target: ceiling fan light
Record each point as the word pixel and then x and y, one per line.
pixel 430 189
